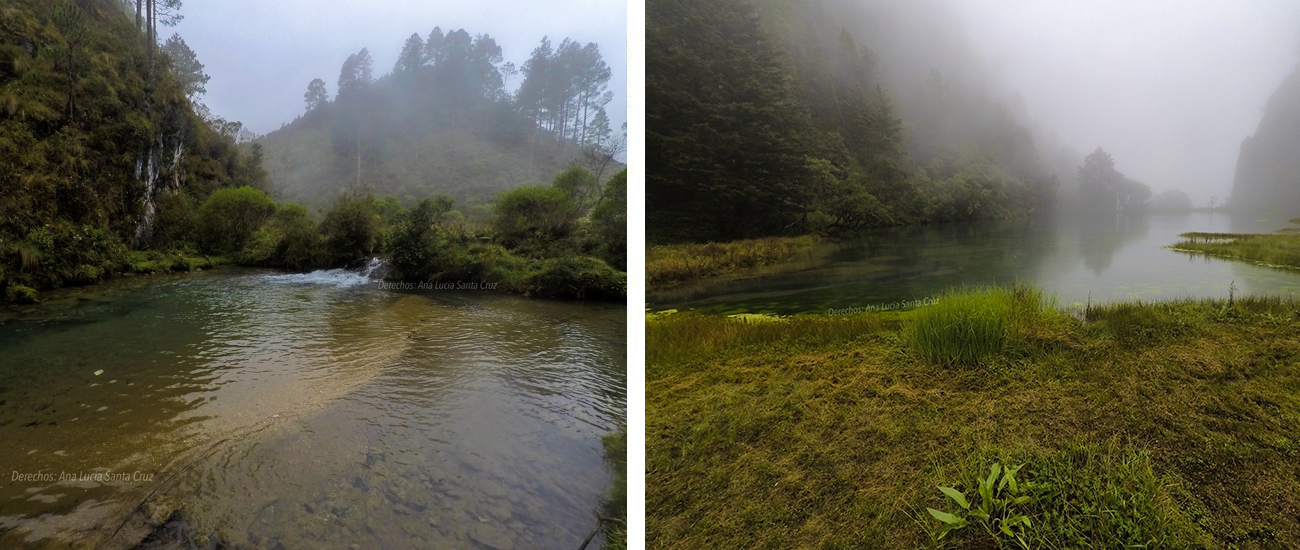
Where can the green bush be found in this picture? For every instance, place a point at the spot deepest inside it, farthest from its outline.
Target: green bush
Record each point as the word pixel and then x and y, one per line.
pixel 176 225
pixel 352 230
pixel 533 213
pixel 299 246
pixel 20 294
pixel 579 185
pixel 576 277
pixel 230 216
pixel 609 221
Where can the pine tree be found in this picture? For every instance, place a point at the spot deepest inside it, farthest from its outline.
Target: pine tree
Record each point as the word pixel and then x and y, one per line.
pixel 724 142
pixel 316 96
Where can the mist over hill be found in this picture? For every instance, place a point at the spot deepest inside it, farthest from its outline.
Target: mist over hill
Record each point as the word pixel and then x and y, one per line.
pixel 442 121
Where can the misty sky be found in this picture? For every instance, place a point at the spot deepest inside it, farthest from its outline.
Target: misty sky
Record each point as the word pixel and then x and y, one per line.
pixel 1170 88
pixel 261 55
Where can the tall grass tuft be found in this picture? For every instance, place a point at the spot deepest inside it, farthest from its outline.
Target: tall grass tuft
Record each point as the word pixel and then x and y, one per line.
pixel 968 325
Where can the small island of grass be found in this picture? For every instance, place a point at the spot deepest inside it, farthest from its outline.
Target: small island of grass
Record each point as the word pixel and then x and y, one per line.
pixel 1281 249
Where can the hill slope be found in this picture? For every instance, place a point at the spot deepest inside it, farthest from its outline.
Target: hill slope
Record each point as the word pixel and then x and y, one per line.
pixel 442 122
pixel 95 132
pixel 1268 167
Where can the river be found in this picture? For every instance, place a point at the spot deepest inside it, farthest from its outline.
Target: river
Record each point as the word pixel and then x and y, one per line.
pixel 307 411
pixel 1078 260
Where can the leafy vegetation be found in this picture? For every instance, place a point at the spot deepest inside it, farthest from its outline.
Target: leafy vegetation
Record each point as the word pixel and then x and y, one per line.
pixel 836 431
pixel 97 136
pixel 667 264
pixel 1081 496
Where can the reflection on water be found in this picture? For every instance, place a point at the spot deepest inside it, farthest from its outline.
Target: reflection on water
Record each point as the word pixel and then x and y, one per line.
pixel 1100 260
pixel 308 414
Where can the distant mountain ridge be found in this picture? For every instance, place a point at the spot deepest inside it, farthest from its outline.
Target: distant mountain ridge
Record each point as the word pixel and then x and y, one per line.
pixel 1268 167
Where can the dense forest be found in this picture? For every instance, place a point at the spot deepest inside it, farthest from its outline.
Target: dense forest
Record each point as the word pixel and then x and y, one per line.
pixel 777 118
pixel 442 121
pixel 110 164
pixel 1267 165
pixel 96 130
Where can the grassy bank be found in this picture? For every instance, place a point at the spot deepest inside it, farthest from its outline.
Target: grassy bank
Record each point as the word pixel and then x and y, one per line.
pixel 668 264
pixel 1169 425
pixel 1278 250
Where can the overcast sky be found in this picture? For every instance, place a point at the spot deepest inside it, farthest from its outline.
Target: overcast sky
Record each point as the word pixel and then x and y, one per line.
pixel 261 54
pixel 1168 87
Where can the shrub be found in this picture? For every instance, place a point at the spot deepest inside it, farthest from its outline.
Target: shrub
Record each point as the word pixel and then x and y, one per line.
pixel 578 184
pixel 230 216
pixel 351 230
pixel 576 277
pixel 20 294
pixel 299 246
pixel 176 224
pixel 534 213
pixel 609 221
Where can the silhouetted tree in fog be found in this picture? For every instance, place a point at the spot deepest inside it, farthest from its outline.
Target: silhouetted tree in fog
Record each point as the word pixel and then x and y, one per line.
pixel 316 96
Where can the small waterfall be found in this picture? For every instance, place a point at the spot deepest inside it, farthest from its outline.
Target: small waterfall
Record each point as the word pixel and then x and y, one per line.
pixel 374 270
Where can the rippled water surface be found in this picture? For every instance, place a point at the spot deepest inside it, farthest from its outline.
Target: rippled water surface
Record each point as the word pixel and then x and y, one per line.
pixel 308 412
pixel 1078 260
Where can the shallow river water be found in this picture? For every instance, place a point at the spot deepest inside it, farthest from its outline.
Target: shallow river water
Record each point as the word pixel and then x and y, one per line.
pixel 1078 260
pixel 308 411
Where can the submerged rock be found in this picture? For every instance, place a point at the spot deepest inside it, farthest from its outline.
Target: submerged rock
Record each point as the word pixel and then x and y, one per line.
pixel 490 535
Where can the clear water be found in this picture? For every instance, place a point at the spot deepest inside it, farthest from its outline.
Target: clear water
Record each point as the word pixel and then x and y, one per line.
pixel 1079 260
pixel 308 411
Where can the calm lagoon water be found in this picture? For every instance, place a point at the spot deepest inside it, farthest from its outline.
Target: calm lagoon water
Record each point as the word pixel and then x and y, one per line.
pixel 1101 261
pixel 308 411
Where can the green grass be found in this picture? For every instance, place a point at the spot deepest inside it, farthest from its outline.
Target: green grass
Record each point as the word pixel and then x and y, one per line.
pixel 154 261
pixel 1279 250
pixel 1168 424
pixel 967 326
pixel 670 264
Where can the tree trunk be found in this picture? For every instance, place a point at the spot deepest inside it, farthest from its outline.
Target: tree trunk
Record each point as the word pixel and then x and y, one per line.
pixel 139 8
pixel 149 4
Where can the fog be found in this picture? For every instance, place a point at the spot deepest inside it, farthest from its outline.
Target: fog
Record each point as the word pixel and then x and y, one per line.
pixel 261 55
pixel 1169 88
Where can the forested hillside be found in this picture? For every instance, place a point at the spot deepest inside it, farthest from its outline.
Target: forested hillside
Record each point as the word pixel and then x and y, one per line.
pixel 443 121
pixel 1268 168
pixel 776 118
pixel 96 130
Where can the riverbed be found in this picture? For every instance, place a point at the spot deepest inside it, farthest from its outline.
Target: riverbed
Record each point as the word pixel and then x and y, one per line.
pixel 308 411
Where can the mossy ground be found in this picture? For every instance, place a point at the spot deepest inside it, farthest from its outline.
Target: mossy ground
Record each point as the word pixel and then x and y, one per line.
pixel 1167 424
